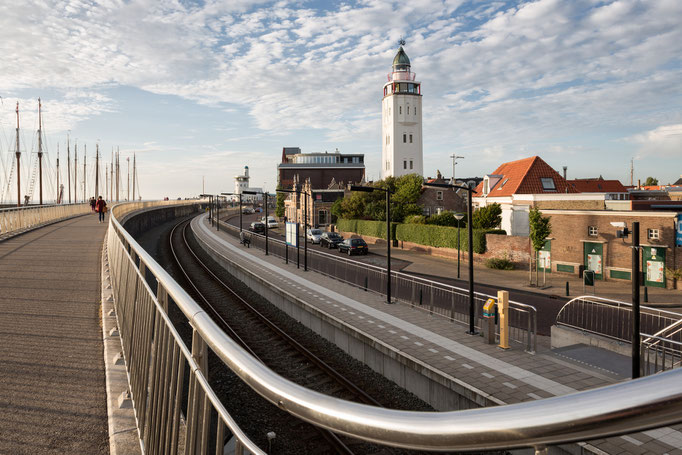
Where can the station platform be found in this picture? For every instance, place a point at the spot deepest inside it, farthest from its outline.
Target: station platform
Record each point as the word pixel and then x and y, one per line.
pixel 481 371
pixel 52 376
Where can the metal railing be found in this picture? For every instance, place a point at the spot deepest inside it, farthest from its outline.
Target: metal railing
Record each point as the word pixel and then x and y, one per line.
pixel 16 219
pixel 613 319
pixel 662 350
pixel 157 361
pixel 445 300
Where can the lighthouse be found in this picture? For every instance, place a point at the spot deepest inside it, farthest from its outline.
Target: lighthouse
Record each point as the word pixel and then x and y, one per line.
pixel 401 121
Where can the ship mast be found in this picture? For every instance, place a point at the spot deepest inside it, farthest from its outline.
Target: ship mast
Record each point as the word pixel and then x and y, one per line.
pixel 118 172
pixel 133 176
pixel 18 154
pixel 75 172
pixel 56 201
pixel 96 170
pixel 68 165
pixel 85 173
pixel 40 151
pixel 111 181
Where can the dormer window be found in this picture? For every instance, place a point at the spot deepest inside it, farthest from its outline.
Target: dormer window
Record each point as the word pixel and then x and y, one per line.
pixel 548 184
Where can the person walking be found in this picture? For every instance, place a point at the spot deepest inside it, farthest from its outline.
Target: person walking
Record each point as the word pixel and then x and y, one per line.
pixel 101 208
pixel 92 204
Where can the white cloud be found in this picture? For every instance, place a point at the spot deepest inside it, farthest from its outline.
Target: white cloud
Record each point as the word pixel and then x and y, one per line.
pixel 664 141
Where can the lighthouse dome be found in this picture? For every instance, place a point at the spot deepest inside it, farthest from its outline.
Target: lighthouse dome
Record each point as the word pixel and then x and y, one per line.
pixel 401 61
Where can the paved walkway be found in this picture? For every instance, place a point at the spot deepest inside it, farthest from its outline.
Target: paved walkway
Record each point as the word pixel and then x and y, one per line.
pixel 502 377
pixel 52 385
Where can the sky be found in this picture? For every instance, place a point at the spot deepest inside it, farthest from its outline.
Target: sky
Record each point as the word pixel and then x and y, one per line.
pixel 198 90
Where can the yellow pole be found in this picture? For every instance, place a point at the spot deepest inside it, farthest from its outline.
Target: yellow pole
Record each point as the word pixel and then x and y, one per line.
pixel 503 308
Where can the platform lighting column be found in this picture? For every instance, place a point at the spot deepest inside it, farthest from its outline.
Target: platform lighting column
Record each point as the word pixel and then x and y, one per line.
pixel 266 223
pixel 217 211
pixel 635 301
pixel 470 214
pixel 458 217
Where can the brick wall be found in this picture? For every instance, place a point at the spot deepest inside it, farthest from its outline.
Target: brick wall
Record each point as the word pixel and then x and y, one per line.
pixel 569 205
pixel 513 247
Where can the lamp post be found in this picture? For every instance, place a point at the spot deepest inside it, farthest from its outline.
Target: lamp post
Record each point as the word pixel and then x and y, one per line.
pixel 369 189
pixel 458 217
pixel 470 215
pixel 454 157
pixel 305 225
pixel 210 206
pixel 265 196
pixel 240 207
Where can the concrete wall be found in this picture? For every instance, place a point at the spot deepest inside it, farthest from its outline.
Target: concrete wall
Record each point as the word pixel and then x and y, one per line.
pixel 143 220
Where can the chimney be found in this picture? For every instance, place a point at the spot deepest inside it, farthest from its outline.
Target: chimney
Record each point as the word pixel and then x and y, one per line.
pixel 639 184
pixel 565 167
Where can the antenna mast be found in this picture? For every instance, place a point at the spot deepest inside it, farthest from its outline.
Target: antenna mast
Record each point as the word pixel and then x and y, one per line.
pixel 18 153
pixel 40 151
pixel 632 171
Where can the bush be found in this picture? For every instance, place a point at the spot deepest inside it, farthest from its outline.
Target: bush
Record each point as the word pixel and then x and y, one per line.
pixel 488 217
pixel 499 263
pixel 445 219
pixel 416 219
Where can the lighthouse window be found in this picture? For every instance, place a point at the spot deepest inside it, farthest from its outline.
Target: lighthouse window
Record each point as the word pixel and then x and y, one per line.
pixel 410 138
pixel 401 110
pixel 411 164
pixel 408 110
pixel 404 137
pixel 404 164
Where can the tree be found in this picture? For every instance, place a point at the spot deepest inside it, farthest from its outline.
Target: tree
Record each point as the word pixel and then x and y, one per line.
pixel 651 181
pixel 279 211
pixel 540 229
pixel 488 217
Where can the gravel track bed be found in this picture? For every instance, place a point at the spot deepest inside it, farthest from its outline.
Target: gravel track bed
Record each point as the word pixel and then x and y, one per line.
pixel 260 416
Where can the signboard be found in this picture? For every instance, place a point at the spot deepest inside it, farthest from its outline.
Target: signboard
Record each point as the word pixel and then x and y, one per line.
pixel 678 236
pixel 291 231
pixel 654 271
pixel 594 262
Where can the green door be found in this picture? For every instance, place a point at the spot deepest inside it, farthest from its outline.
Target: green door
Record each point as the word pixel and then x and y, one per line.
pixel 653 265
pixel 545 257
pixel 594 255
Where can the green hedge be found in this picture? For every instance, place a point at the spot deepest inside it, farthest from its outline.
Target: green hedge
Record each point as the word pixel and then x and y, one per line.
pixel 366 227
pixel 422 234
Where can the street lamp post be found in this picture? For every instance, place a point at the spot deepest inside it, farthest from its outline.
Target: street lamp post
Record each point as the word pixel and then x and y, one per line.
pixel 265 195
pixel 369 189
pixel 240 207
pixel 305 225
pixel 458 217
pixel 470 215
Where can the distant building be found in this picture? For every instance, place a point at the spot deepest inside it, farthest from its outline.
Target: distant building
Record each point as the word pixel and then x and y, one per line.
pixel 434 201
pixel 614 190
pixel 319 168
pixel 320 201
pixel 401 121
pixel 241 183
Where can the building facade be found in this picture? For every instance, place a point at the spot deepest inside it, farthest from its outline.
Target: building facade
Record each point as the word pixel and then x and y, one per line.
pixel 401 121
pixel 319 203
pixel 319 168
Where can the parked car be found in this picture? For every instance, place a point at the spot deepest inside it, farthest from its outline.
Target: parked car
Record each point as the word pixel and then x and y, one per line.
pixel 257 226
pixel 353 246
pixel 248 210
pixel 272 222
pixel 330 240
pixel 314 235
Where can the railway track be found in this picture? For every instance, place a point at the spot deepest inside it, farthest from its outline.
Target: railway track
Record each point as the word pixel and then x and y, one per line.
pixel 265 340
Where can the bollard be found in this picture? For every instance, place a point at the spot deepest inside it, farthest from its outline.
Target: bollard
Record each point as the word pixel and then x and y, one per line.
pixel 567 293
pixel 503 308
pixel 489 315
pixel 646 294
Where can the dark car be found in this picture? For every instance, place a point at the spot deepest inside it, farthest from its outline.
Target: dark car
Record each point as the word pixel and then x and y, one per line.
pixel 330 240
pixel 257 226
pixel 353 246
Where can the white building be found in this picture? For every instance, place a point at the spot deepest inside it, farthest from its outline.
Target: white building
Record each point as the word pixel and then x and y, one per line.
pixel 241 184
pixel 401 121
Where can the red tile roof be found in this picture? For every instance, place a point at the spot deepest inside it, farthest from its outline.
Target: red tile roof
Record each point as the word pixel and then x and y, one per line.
pixel 598 185
pixel 523 177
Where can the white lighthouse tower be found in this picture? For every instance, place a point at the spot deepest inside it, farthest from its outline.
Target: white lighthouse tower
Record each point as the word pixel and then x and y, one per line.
pixel 401 121
pixel 241 182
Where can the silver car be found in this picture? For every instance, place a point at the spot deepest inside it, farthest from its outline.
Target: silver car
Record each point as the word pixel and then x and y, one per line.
pixel 314 235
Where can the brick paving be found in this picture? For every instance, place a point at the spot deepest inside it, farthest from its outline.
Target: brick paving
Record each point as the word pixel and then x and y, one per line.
pixel 505 377
pixel 52 385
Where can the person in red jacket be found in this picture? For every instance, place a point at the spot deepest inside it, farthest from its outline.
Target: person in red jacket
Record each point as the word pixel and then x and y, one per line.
pixel 101 208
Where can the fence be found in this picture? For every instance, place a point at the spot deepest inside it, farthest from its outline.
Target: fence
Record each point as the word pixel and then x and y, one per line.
pixel 662 350
pixel 437 298
pixel 159 366
pixel 17 219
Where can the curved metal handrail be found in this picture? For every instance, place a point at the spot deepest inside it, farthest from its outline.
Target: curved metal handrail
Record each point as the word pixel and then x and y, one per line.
pixel 631 406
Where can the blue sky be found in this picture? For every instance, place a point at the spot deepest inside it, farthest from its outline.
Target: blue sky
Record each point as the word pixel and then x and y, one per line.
pixel 200 89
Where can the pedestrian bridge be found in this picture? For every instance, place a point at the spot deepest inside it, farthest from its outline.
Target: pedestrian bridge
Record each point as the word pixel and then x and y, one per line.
pixel 149 391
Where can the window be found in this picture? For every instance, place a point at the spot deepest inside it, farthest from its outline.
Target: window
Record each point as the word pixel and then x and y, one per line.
pixel 400 109
pixel 503 183
pixel 404 164
pixel 426 211
pixel 388 165
pixel 548 184
pixel 415 111
pixel 408 110
pixel 439 210
pixel 653 234
pixel 439 195
pixel 410 138
pixel 411 165
pixel 592 231
pixel 404 137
